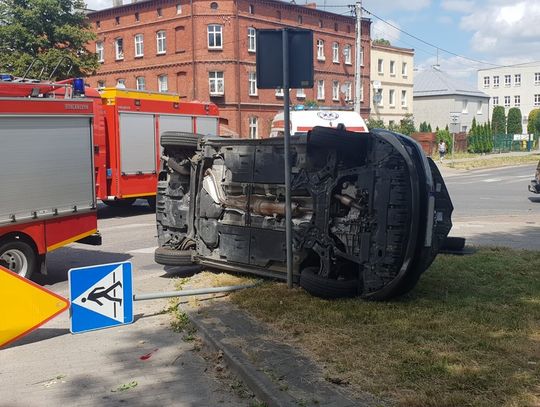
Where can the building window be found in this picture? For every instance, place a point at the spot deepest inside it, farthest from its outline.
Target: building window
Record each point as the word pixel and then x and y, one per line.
pixel 320 50
pixel 335 52
pixel 252 79
pixel 537 78
pixel 137 17
pixel 336 27
pixel 403 98
pixel 320 24
pixel 253 127
pixel 348 91
pixel 404 69
pixel 121 83
pixel 335 90
pixel 251 40
pixel 119 48
pixel 98 24
pixel 117 20
pixel 161 42
pixel 517 79
pixel 393 68
pixel 320 89
pixel 495 81
pixel 159 12
pixel 178 9
pixel 140 83
pixel 300 93
pixel 251 9
pixel 507 80
pixel 139 46
pixel 362 56
pixel 100 51
pixel 215 40
pixel 214 5
pixel 392 97
pixel 479 107
pixel 279 92
pixel 163 83
pixel 465 106
pixel 299 20
pixel 507 101
pixel 517 100
pixel 347 54
pixel 495 101
pixel 216 82
pixel 537 100
pixel 100 84
pixel 380 66
pixel 278 15
pixel 486 81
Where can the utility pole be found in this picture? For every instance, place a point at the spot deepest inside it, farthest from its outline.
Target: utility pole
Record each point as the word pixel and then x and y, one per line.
pixel 357 57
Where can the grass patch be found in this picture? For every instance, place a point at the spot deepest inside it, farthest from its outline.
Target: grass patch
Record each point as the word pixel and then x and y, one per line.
pixel 490 161
pixel 468 335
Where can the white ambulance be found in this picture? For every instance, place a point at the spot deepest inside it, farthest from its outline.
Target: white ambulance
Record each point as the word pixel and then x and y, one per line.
pixel 304 120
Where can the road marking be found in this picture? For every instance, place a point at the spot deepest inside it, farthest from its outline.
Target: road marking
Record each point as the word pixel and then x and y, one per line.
pixel 146 250
pixel 493 180
pixel 130 226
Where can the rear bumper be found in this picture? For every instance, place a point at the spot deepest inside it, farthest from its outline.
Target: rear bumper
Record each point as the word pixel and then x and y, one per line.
pixel 534 186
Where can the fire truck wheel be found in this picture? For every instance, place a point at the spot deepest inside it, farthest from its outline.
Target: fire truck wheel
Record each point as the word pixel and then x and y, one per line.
pixel 19 257
pixel 170 257
pixel 120 203
pixel 324 287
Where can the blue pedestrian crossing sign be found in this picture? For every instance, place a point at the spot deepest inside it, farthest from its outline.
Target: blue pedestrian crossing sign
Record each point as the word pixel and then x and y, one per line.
pixel 101 296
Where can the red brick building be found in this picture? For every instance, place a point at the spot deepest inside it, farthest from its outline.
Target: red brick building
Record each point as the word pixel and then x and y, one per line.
pixel 205 50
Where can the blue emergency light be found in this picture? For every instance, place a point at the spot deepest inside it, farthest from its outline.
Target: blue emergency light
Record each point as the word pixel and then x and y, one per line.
pixel 78 87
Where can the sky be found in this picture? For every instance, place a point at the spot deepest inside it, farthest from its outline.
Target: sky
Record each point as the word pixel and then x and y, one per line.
pixel 492 32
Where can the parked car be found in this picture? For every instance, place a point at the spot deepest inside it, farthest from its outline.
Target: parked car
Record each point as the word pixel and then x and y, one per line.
pixel 534 186
pixel 370 210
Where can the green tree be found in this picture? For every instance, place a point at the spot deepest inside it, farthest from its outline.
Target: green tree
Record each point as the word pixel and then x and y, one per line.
pixel 498 120
pixel 407 125
pixel 513 125
pixel 429 128
pixel 381 41
pixel 447 138
pixel 49 30
pixel 375 123
pixel 423 127
pixel 533 114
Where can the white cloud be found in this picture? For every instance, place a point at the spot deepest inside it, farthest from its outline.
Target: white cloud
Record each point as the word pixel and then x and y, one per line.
pixel 380 29
pixel 98 4
pixel 461 6
pixel 393 5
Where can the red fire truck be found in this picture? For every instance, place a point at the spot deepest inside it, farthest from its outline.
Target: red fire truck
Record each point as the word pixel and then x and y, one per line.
pixel 47 188
pixel 64 146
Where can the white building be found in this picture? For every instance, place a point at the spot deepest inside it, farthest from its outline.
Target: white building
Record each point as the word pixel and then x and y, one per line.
pixel 438 98
pixel 392 82
pixel 512 86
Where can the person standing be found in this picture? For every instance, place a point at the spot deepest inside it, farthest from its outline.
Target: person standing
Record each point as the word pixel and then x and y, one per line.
pixel 442 150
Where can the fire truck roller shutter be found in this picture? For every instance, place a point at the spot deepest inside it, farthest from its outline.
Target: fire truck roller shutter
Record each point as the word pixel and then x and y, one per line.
pixel 174 123
pixel 45 167
pixel 207 126
pixel 137 143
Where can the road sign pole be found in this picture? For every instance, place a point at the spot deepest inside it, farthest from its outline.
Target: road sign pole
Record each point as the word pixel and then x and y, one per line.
pixel 287 145
pixel 453 147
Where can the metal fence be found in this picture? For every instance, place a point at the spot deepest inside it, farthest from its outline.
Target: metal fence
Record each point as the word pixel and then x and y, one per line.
pixel 503 143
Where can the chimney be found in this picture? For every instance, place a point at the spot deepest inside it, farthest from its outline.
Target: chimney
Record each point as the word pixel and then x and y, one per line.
pixel 117 3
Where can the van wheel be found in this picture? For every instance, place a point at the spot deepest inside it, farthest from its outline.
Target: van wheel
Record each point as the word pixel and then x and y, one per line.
pixel 325 287
pixel 19 257
pixel 171 257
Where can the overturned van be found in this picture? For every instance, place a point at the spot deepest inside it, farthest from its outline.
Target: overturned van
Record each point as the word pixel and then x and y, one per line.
pixel 370 213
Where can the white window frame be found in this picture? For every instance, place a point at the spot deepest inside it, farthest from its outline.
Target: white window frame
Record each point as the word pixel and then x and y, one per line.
pixel 163 83
pixel 537 78
pixel 300 93
pixel 215 35
pixel 392 97
pixel 100 84
pixel 404 68
pixel 253 125
pixel 507 101
pixel 495 101
pixel 517 79
pixel 335 53
pixel 347 54
pixel 507 80
pixel 335 91
pixel 380 66
pixel 216 83
pixel 121 83
pixel 496 81
pixel 479 107
pixel 161 42
pixel 279 92
pixel 348 91
pixel 392 68
pixel 140 83
pixel 252 43
pixel 320 89
pixel 178 9
pixel 403 98
pixel 361 56
pixel 100 51
pixel 252 84
pixel 119 49
pixel 537 100
pixel 320 50
pixel 464 106
pixel 517 100
pixel 486 81
pixel 139 45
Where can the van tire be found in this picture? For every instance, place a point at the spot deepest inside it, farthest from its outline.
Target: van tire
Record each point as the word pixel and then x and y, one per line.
pixel 325 287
